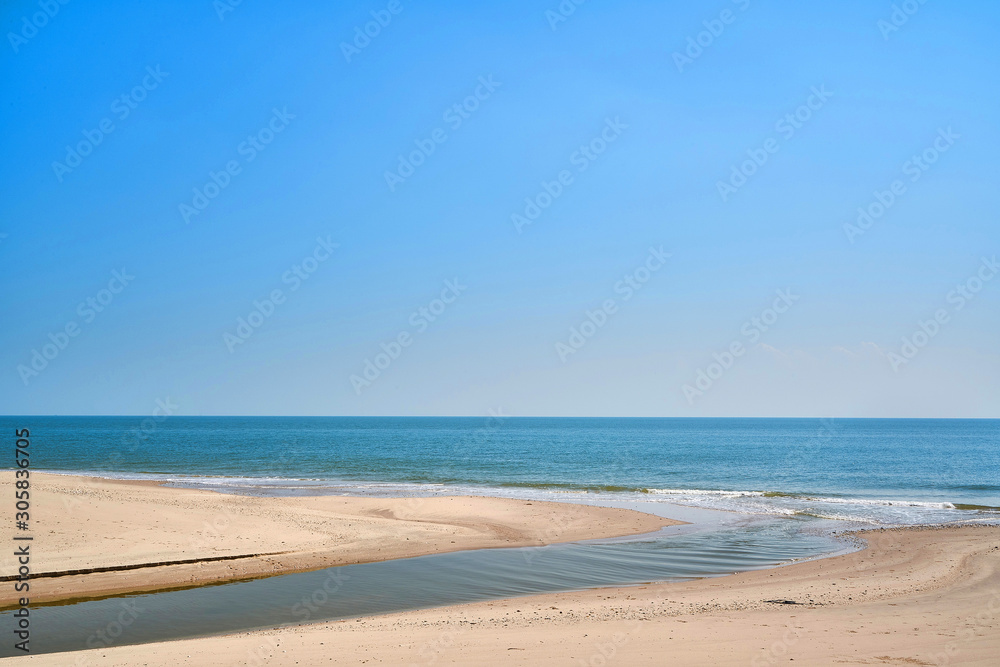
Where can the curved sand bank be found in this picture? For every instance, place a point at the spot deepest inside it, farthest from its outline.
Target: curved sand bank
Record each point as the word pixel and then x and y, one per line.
pixel 914 597
pixel 104 536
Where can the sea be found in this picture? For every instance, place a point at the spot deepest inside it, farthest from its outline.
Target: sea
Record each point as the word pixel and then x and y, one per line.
pixel 756 493
pixel 878 472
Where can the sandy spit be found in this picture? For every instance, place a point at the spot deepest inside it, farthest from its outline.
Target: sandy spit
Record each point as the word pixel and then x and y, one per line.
pixel 115 531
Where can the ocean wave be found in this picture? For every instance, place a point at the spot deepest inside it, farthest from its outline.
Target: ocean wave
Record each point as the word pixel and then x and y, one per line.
pixel 573 487
pixel 881 502
pixel 706 492
pixel 833 500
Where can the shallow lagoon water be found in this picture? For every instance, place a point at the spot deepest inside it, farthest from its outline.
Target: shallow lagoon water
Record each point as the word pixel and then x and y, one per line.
pixel 720 547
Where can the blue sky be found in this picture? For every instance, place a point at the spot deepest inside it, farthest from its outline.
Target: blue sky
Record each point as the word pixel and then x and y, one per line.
pixel 671 134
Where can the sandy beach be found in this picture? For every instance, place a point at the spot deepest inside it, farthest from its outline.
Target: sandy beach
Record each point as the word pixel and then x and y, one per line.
pixel 116 532
pixel 914 597
pixel 926 596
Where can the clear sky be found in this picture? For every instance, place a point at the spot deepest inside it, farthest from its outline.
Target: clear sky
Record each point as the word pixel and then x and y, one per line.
pixel 644 126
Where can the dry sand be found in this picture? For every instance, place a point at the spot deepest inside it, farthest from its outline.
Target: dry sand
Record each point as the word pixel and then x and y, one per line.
pixel 82 523
pixel 914 597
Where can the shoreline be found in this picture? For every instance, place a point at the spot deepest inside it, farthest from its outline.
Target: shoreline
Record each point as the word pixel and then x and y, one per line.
pixel 913 596
pixel 105 537
pixel 898 509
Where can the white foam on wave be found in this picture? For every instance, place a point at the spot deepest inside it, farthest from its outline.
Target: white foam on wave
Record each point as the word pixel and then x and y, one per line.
pixel 857 509
pixel 881 502
pixel 705 492
pixel 887 502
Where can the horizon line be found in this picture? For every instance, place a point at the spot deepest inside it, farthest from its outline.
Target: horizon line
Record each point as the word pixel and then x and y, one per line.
pixel 146 415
